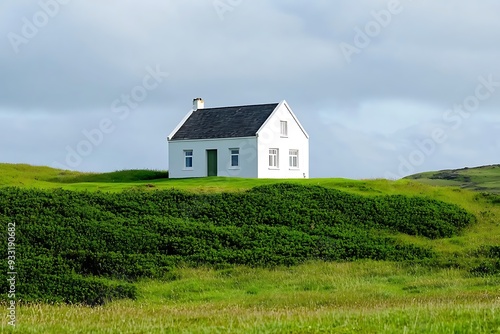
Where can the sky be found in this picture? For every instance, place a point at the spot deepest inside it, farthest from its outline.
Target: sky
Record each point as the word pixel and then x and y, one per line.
pixel 384 88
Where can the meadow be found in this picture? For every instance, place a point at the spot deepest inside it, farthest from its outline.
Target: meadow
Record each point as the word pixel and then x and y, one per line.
pixel 452 287
pixel 317 297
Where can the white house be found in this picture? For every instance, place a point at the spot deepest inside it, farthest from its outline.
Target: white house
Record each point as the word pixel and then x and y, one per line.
pixel 255 141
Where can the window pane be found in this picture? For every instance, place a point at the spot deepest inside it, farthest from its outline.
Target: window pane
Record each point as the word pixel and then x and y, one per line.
pixel 284 130
pixel 234 160
pixel 188 158
pixel 273 157
pixel 294 158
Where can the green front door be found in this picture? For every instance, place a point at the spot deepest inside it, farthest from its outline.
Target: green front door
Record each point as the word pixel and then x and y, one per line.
pixel 211 162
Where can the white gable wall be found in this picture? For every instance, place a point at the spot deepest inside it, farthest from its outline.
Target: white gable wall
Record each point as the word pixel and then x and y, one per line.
pixel 269 137
pixel 247 157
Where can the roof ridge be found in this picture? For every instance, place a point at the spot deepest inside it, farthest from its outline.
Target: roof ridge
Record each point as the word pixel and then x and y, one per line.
pixel 243 105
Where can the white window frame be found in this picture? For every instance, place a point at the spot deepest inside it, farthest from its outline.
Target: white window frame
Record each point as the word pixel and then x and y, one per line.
pixel 283 129
pixel 231 155
pixel 186 157
pixel 293 158
pixel 274 158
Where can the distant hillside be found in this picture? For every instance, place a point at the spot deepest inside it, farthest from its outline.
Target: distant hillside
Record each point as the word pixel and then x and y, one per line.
pixel 484 178
pixel 40 176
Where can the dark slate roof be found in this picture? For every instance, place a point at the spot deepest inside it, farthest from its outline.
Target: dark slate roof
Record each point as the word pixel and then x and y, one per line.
pixel 225 122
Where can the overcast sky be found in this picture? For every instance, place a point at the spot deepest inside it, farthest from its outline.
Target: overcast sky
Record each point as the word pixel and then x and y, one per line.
pixel 384 88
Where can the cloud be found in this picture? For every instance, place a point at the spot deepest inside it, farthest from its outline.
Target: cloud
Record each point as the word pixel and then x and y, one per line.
pixel 365 114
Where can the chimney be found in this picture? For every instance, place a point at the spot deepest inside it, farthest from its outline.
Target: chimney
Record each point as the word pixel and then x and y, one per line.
pixel 198 103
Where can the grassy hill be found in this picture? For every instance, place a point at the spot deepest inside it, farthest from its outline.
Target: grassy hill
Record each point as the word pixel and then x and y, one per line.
pixel 41 177
pixel 247 255
pixel 484 178
pixel 23 175
pixel 26 176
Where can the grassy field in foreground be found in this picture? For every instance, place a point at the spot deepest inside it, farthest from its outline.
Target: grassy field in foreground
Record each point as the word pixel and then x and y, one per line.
pixel 359 297
pixel 318 297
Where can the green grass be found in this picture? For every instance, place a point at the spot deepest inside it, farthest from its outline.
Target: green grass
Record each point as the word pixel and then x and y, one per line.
pixel 44 177
pixel 484 178
pixel 113 177
pixel 359 297
pixel 318 297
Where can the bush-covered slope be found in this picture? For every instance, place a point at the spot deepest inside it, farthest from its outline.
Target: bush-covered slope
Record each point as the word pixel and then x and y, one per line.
pixel 70 245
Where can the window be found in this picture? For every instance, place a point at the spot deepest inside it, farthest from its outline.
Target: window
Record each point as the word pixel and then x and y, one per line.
pixel 188 159
pixel 294 158
pixel 235 157
pixel 283 129
pixel 274 158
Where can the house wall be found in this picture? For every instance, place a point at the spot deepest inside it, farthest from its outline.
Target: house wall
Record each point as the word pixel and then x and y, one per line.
pixel 247 158
pixel 269 137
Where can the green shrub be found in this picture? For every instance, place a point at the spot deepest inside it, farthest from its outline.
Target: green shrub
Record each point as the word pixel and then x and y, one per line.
pixel 71 244
pixel 486 268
